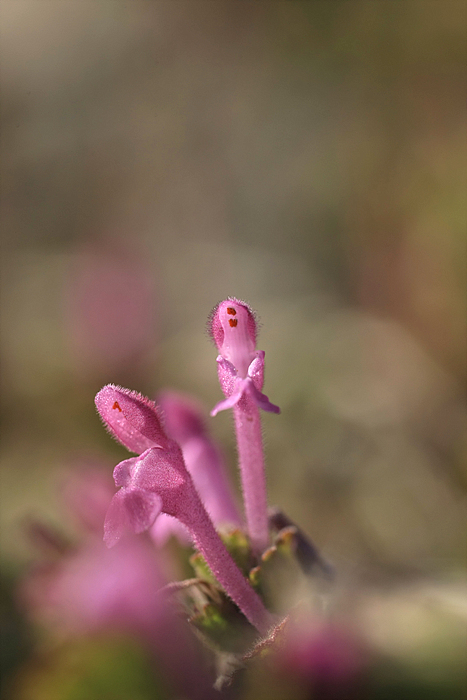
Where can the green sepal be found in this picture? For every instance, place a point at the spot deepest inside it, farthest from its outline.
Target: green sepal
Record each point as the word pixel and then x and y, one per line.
pixel 239 548
pixel 223 626
pixel 201 569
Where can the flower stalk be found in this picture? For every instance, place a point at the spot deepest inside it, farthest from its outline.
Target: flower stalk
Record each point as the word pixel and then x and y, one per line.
pixel 226 571
pixel 252 470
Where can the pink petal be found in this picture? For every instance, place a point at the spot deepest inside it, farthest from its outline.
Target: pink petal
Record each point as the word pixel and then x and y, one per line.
pixel 228 403
pixel 123 470
pixel 234 387
pixel 164 472
pixel 142 508
pixel 262 400
pixel 227 374
pixel 256 375
pixel 131 418
pixel 233 328
pixel 116 520
pixel 130 509
pixel 256 370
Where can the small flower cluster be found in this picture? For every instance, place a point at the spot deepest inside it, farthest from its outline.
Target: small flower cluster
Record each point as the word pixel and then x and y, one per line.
pixel 252 595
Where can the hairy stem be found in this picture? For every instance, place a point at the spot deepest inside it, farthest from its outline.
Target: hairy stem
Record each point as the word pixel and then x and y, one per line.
pixel 252 471
pixel 226 571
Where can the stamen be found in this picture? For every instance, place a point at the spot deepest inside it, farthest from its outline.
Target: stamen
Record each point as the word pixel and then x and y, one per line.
pixel 116 405
pixel 232 322
pixel 231 311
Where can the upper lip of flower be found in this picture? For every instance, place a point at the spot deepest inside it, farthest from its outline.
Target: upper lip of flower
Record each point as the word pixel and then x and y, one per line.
pixel 233 328
pixel 131 418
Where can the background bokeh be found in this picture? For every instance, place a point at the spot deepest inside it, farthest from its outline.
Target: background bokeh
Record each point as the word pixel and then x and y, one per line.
pixel 308 157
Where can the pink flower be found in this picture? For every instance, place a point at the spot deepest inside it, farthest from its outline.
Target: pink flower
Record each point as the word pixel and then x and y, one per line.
pixel 325 657
pixel 241 374
pixel 96 588
pixel 233 328
pixel 110 307
pixel 158 481
pixel 90 587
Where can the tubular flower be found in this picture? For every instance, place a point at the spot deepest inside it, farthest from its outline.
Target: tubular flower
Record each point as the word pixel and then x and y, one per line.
pixel 241 374
pixel 157 481
pixel 185 423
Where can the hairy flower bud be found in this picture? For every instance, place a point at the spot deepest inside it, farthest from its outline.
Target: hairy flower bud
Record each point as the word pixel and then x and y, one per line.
pixel 233 329
pixel 232 326
pixel 131 418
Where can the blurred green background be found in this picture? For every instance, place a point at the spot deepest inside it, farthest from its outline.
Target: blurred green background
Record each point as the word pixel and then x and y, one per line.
pixel 308 157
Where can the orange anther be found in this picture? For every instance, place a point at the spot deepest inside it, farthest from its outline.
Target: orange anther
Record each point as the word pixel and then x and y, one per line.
pixel 233 322
pixel 231 311
pixel 117 406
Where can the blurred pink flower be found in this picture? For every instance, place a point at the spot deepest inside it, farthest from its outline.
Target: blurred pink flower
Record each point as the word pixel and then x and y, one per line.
pixel 95 588
pixel 185 423
pixel 327 658
pixel 90 589
pixel 87 492
pixel 110 308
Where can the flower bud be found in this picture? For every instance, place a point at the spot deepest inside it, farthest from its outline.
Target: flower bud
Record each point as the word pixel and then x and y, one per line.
pixel 131 418
pixel 233 328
